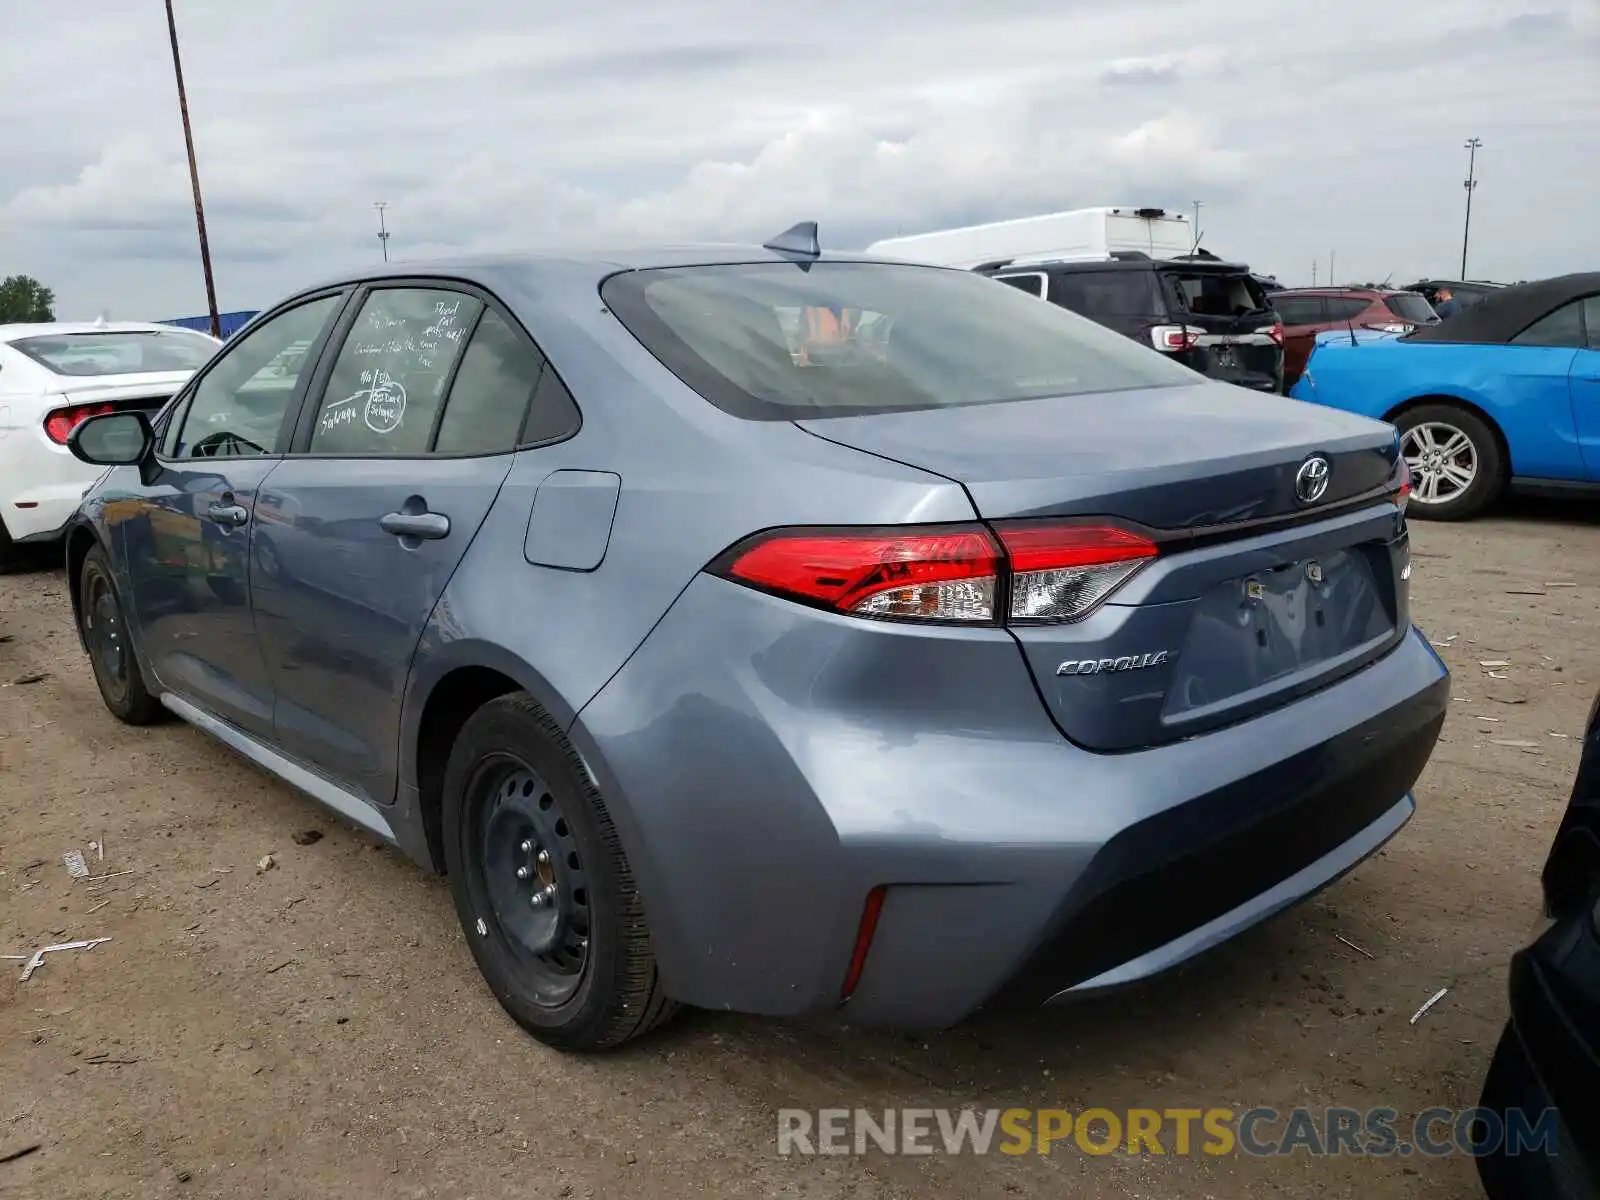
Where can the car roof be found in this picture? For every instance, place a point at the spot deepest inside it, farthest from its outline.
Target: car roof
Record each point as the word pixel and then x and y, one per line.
pixel 595 263
pixel 1340 291
pixel 1505 312
pixel 12 333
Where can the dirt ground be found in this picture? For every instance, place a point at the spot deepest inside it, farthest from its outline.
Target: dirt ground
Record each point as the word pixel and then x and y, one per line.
pixel 319 1029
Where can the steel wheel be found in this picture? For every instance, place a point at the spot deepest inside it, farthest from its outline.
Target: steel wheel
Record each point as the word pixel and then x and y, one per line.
pixel 1443 462
pixel 532 877
pixel 103 630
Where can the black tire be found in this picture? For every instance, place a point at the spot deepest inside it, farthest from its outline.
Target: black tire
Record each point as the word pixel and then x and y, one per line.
pixel 575 969
pixel 1560 1174
pixel 110 643
pixel 1488 462
pixel 10 557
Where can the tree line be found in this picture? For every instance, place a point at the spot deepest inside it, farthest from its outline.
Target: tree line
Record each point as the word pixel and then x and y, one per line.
pixel 24 300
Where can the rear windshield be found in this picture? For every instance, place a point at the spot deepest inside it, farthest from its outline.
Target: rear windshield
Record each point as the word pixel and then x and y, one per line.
pixel 1218 293
pixel 778 341
pixel 118 353
pixel 1409 306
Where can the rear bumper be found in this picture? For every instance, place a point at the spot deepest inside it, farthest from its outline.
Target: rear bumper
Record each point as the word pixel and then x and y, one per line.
pixel 41 486
pixel 769 766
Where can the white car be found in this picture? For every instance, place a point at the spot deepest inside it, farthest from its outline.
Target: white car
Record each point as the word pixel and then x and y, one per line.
pixel 54 376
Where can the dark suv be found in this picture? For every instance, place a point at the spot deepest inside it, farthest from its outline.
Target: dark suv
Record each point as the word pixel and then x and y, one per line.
pixel 1209 315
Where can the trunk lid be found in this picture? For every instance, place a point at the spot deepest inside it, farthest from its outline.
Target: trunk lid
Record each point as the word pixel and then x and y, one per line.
pixel 1257 596
pixel 147 391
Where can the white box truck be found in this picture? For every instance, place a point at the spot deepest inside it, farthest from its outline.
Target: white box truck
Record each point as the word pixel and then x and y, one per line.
pixel 1079 234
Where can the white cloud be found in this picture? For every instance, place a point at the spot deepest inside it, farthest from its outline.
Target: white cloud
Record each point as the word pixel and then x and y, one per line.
pixel 485 125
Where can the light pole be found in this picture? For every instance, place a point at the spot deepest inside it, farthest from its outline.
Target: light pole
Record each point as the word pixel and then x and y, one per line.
pixel 383 232
pixel 1471 184
pixel 194 176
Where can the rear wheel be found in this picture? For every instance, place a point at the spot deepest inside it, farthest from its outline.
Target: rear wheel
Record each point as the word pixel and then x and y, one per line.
pixel 1457 468
pixel 110 645
pixel 10 559
pixel 542 886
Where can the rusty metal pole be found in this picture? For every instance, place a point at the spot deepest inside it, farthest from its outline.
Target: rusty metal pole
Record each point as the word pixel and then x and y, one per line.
pixel 194 177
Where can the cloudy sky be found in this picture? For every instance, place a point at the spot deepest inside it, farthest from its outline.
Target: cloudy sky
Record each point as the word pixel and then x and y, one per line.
pixel 1306 129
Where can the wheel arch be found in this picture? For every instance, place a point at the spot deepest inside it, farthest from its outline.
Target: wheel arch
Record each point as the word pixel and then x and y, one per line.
pixel 81 539
pixel 1477 410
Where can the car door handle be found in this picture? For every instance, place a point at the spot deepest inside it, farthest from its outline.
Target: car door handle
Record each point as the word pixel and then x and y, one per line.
pixel 231 515
pixel 417 525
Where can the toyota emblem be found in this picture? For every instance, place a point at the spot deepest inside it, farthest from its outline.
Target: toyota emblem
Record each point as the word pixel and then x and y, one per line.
pixel 1311 480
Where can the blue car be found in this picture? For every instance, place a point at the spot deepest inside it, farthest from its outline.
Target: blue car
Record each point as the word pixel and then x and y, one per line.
pixel 766 630
pixel 1504 394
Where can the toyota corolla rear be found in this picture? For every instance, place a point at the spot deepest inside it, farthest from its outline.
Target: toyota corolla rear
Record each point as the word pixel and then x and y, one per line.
pixel 1135 672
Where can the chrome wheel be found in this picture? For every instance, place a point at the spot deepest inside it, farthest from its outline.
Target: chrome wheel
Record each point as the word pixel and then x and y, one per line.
pixel 1443 461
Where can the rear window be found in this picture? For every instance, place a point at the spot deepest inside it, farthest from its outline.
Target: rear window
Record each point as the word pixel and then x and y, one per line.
pixel 1409 306
pixel 1218 293
pixel 138 352
pixel 778 341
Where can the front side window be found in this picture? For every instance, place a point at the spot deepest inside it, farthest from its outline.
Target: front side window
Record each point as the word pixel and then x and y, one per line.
pixel 238 408
pixel 138 352
pixel 389 379
pixel 1562 328
pixel 773 341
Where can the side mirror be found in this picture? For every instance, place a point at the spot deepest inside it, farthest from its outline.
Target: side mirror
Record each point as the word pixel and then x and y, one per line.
pixel 120 439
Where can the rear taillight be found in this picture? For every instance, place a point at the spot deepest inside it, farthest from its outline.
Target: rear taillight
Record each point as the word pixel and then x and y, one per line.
pixel 1061 572
pixel 1400 483
pixel 1049 572
pixel 1173 338
pixel 60 423
pixel 935 574
pixel 1275 332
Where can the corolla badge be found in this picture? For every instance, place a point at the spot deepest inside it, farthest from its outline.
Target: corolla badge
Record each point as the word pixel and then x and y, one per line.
pixel 1101 666
pixel 1311 480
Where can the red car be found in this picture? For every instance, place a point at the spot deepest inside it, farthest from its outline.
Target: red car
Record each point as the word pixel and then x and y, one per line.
pixel 1307 312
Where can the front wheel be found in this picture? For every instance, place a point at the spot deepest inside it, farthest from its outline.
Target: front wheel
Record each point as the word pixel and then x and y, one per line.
pixel 111 653
pixel 542 887
pixel 1457 468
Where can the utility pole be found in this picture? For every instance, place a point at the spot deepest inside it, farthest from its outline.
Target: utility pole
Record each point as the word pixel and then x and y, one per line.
pixel 1332 281
pixel 1195 249
pixel 1314 265
pixel 1471 184
pixel 194 176
pixel 383 233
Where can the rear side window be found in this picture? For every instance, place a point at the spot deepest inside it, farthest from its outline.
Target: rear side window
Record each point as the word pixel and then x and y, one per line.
pixel 1347 308
pixel 1409 306
pixel 1300 310
pixel 1218 293
pixel 778 341
pixel 1101 294
pixel 391 373
pixel 1562 328
pixel 1033 283
pixel 490 395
